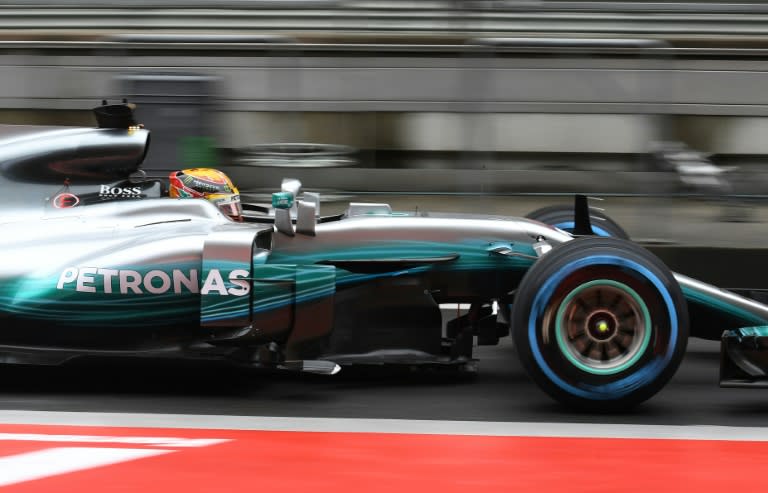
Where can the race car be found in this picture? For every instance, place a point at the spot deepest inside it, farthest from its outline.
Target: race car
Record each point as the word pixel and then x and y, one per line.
pixel 96 260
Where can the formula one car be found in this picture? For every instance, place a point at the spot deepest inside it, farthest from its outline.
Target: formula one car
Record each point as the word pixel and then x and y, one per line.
pixel 96 261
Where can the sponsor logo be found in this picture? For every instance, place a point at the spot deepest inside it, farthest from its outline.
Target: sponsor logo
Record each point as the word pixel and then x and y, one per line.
pixel 107 192
pixel 126 281
pixel 65 200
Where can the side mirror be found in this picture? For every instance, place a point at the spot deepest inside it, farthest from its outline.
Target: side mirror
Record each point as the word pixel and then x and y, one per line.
pixel 282 202
pixel 306 209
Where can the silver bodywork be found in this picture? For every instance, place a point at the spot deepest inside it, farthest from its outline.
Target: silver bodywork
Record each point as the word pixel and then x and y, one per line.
pixel 124 272
pixel 748 308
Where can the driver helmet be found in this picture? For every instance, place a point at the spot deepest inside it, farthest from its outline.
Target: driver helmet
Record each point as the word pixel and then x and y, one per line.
pixel 210 184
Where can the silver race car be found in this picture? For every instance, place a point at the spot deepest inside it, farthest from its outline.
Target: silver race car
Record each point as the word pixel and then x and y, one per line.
pixel 97 261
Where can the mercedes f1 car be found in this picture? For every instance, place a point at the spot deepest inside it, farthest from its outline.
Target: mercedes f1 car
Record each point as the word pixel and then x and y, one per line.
pixel 95 261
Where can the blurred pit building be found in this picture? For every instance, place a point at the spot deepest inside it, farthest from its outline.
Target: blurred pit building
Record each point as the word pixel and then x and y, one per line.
pixel 434 97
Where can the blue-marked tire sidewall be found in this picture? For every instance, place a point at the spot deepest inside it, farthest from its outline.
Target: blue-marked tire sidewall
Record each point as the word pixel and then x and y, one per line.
pixel 620 264
pixel 569 226
pixel 561 216
pixel 616 387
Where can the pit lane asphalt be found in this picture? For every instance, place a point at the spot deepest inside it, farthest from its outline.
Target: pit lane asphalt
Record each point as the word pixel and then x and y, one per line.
pixel 499 392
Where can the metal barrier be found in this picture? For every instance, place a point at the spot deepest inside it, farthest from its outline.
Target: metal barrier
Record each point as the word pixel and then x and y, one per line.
pixel 329 19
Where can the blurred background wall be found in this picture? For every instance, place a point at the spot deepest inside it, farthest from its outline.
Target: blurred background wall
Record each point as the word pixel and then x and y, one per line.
pixel 420 97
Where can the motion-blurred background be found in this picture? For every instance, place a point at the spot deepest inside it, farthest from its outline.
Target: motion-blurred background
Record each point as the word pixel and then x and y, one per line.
pixel 499 106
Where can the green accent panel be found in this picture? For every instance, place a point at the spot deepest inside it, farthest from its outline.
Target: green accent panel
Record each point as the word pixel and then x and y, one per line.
pixel 703 298
pixel 273 286
pixel 760 331
pixel 45 297
pixel 282 200
pixel 273 298
pixel 315 281
pixel 473 256
pixel 224 293
pixel 198 151
pixel 277 287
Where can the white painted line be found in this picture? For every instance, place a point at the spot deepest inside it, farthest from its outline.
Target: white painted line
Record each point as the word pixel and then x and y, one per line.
pixel 150 441
pixel 419 427
pixel 50 462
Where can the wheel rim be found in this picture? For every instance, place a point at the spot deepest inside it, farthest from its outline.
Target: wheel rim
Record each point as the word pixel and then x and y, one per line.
pixel 603 327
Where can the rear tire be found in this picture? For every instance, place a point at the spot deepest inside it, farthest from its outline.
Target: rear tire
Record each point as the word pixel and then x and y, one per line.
pixel 600 324
pixel 562 216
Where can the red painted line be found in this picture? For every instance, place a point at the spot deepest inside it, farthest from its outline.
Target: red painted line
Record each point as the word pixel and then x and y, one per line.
pixel 320 462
